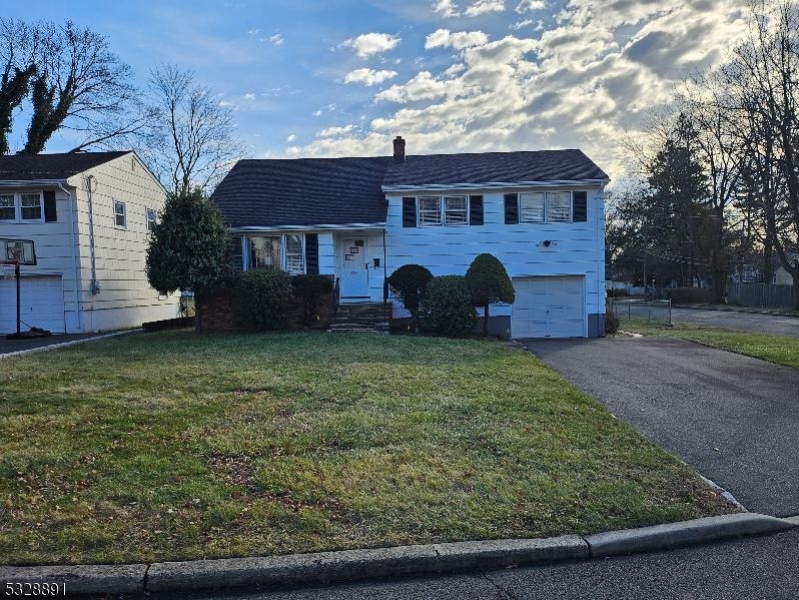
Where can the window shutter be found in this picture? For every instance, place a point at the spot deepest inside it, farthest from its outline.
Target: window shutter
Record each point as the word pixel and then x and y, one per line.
pixel 312 254
pixel 50 214
pixel 236 259
pixel 475 210
pixel 409 212
pixel 511 209
pixel 580 209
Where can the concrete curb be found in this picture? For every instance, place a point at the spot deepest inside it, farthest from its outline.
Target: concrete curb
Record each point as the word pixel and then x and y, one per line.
pixel 674 535
pixel 49 347
pixel 324 567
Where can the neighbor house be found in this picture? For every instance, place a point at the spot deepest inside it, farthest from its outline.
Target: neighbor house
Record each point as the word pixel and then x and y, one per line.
pixel 88 215
pixel 358 219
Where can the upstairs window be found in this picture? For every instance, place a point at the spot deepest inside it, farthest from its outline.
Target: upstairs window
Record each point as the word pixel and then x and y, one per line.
pixel 120 217
pixel 443 210
pixel 8 208
pixel 31 208
pixel 545 207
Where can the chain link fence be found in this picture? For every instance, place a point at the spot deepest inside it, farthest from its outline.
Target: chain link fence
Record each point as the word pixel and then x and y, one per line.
pixel 656 312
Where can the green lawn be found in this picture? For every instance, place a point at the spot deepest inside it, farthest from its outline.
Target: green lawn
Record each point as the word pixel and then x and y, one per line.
pixel 171 446
pixel 773 348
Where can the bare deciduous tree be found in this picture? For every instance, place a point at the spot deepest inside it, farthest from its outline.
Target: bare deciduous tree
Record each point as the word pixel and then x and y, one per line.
pixel 72 79
pixel 197 145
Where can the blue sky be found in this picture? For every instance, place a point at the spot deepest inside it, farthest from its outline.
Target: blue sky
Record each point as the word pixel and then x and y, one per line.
pixel 343 77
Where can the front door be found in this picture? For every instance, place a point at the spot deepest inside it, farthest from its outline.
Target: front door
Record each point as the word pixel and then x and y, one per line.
pixel 354 268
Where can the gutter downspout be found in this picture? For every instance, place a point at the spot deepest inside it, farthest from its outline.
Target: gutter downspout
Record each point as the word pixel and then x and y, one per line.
pixel 94 287
pixel 75 242
pixel 385 280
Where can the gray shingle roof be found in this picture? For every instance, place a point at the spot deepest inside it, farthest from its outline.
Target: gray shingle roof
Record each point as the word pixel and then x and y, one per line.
pixel 493 167
pixel 304 191
pixel 27 167
pixel 340 191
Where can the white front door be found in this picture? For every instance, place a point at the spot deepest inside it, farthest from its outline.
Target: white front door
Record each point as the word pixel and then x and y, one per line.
pixel 354 268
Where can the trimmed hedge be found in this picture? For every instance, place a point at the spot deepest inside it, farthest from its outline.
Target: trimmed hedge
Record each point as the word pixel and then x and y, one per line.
pixel 408 284
pixel 447 306
pixel 261 299
pixel 690 295
pixel 309 291
pixel 612 322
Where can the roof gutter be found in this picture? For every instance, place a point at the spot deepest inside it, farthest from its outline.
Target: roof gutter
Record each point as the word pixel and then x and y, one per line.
pixel 315 227
pixel 490 185
pixel 17 183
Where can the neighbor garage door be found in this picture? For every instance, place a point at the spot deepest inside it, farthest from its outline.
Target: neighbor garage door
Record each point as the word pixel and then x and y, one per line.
pixel 42 304
pixel 548 307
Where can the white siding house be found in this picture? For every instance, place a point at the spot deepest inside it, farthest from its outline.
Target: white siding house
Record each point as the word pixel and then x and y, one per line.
pixel 359 219
pixel 90 230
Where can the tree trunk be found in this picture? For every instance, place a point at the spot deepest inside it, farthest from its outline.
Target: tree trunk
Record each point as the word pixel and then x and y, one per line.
pixel 485 321
pixel 795 276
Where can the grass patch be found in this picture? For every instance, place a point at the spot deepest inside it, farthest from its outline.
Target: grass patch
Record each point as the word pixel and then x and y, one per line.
pixel 171 446
pixel 772 348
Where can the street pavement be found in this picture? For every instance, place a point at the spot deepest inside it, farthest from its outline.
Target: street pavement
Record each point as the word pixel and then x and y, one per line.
pixel 731 319
pixel 764 567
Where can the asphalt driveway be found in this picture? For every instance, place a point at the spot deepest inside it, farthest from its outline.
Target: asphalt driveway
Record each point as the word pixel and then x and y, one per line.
pixel 735 419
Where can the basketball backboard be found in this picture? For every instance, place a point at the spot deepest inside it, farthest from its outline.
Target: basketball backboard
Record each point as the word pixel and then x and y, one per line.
pixel 20 250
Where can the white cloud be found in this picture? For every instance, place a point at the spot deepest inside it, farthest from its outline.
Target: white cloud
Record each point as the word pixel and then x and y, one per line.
pixel 443 38
pixel 422 87
pixel 521 24
pixel 481 7
pixel 277 39
pixel 253 32
pixel 372 43
pixel 292 138
pixel 335 131
pixel 317 113
pixel 369 77
pixel 530 5
pixel 249 96
pixel 445 8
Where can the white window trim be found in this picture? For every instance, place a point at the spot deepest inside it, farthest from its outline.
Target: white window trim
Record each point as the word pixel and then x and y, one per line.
pixel 442 211
pixel 546 219
pixel 124 215
pixel 247 250
pixel 17 199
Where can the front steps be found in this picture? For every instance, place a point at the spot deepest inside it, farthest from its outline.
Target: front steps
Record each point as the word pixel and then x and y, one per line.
pixel 365 317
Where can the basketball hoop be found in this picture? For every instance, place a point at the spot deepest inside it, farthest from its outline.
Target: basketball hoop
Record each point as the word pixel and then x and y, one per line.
pixel 8 269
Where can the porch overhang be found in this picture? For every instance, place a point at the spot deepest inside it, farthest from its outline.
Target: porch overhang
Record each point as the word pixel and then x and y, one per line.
pixel 312 228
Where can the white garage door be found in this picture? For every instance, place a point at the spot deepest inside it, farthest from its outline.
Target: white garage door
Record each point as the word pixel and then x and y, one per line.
pixel 548 307
pixel 41 304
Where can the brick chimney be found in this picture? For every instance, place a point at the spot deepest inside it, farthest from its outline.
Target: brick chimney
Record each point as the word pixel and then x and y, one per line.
pixel 399 149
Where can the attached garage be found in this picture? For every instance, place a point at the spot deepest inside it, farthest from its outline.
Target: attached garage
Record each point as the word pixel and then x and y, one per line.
pixel 549 307
pixel 41 304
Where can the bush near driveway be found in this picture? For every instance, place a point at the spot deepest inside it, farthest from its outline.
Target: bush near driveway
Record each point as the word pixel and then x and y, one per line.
pixel 447 306
pixel 172 446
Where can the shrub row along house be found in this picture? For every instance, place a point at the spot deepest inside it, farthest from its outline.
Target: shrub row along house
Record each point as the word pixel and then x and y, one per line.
pixel 88 215
pixel 541 213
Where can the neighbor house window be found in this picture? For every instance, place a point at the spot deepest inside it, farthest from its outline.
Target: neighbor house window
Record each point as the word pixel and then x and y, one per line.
pixel 545 207
pixel 120 218
pixel 31 208
pixel 443 210
pixel 8 208
pixel 152 216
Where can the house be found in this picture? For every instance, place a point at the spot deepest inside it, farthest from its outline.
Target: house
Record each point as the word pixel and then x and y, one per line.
pixel 539 212
pixel 88 215
pixel 781 274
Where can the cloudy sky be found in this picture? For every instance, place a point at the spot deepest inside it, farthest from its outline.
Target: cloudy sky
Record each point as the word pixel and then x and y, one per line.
pixel 343 77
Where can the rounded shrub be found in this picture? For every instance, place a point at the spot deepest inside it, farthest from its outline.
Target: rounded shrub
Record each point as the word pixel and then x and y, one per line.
pixel 489 283
pixel 261 299
pixel 447 307
pixel 408 284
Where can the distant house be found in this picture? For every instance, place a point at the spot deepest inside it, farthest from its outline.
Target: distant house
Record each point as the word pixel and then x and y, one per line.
pixel 358 219
pixel 781 275
pixel 88 215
